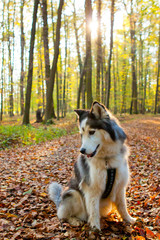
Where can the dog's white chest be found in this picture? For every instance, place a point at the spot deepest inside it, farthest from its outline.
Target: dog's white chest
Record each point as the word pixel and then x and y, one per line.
pixel 98 175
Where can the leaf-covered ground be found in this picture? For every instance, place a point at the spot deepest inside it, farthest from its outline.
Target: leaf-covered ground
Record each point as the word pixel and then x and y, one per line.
pixel 25 173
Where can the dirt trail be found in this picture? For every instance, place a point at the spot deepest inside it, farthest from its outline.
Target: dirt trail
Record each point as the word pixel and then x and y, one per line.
pixel 27 213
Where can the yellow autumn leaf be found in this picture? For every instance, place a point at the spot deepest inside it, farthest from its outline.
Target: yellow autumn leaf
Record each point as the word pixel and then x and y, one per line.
pixel 43 194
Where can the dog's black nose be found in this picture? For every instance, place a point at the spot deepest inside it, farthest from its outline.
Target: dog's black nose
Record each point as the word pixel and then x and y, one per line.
pixel 83 150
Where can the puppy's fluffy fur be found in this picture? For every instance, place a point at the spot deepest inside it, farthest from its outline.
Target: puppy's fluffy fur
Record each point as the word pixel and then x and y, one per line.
pixel 103 147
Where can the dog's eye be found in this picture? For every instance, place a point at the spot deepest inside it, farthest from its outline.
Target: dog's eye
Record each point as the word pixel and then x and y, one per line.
pixel 91 132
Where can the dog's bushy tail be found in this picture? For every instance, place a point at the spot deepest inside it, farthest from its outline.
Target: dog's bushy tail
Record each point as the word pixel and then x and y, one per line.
pixel 54 192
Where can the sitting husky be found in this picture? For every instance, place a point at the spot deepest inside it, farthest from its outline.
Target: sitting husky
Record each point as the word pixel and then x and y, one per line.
pixel 101 172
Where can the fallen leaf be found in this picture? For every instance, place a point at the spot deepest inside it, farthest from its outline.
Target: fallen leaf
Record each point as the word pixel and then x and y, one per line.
pixel 43 194
pixel 139 238
pixel 149 233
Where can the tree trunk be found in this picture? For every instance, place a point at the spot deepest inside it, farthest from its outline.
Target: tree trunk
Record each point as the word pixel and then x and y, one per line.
pixel 49 97
pixel 110 56
pixel 46 48
pixel 145 86
pixel 30 69
pixel 141 83
pixel 82 85
pixel 65 66
pixel 103 75
pixel 115 86
pixel 99 50
pixel 77 39
pixel 84 93
pixel 10 65
pixel 79 58
pixel 102 70
pixel 53 34
pixel 57 88
pixel 45 40
pixel 39 67
pixel 157 96
pixel 68 79
pixel 43 93
pixel 52 22
pixel 2 68
pixel 124 76
pixel 88 16
pixel 13 46
pixel 118 87
pixel 22 60
pixel 133 108
pixel 60 87
pixel 64 96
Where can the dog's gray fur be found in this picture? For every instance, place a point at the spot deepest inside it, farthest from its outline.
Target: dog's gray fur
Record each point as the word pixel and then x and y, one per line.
pixel 81 168
pixel 103 147
pixel 54 191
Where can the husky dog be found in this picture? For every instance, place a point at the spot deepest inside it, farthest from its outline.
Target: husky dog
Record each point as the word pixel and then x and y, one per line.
pixel 101 172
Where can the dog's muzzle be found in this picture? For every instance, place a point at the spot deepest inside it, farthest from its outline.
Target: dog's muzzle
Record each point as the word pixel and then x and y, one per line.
pixel 93 153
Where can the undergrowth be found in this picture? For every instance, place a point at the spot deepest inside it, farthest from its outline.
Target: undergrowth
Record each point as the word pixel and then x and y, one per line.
pixel 27 135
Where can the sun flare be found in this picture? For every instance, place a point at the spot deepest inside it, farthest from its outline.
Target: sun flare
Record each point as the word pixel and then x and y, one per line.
pixel 93 27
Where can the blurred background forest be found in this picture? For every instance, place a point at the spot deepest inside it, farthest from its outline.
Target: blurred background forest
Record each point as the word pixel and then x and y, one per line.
pixel 56 56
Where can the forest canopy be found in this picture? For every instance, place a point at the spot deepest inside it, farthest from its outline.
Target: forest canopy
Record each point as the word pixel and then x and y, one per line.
pixel 61 55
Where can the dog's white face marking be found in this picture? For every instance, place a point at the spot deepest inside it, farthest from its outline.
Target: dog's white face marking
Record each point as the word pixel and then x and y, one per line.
pixel 91 139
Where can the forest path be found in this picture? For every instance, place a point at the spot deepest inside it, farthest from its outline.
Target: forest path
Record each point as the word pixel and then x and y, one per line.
pixel 27 213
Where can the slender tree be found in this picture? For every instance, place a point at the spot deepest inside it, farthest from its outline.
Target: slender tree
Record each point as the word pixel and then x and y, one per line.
pixel 141 80
pixel 60 88
pixel 2 68
pixel 53 24
pixel 110 56
pixel 157 96
pixel 103 66
pixel 50 88
pixel 10 64
pixel 57 90
pixel 65 66
pixel 45 41
pixel 82 85
pixel 118 84
pixel 88 16
pixel 22 40
pixel 13 48
pixel 30 68
pixel 68 79
pixel 145 82
pixel 39 67
pixel 79 57
pixel 99 49
pixel 133 107
pixel 77 38
pixel 46 48
pixel 115 84
pixel 125 72
pixel 84 90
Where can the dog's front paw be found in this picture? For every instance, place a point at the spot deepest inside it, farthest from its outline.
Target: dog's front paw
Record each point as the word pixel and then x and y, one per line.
pixel 95 226
pixel 95 229
pixel 75 221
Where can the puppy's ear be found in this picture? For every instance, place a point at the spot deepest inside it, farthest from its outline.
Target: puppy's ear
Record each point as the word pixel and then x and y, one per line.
pixel 79 112
pixel 99 110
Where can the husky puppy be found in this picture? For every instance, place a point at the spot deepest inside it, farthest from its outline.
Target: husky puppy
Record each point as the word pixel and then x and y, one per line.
pixel 101 172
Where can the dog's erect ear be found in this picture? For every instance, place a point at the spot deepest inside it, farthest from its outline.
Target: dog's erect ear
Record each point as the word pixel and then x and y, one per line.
pixel 79 112
pixel 99 110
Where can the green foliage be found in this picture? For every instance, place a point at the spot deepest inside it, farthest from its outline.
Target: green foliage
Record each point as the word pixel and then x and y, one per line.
pixel 27 135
